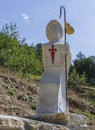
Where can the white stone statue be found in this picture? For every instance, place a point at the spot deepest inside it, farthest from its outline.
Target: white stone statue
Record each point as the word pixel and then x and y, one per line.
pixel 56 61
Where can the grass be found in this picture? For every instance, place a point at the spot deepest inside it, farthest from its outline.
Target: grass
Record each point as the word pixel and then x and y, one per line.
pixel 89 115
pixel 33 77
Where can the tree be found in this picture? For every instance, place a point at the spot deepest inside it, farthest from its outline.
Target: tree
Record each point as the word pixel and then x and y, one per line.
pixel 85 65
pixel 11 30
pixel 17 55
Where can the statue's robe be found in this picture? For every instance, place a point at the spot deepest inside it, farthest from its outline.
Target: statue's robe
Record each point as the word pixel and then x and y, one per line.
pixel 56 61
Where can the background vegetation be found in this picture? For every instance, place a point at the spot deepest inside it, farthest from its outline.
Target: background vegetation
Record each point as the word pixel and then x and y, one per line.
pixel 18 56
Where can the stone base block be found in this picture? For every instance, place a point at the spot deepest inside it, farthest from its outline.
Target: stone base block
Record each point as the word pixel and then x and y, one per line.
pixel 70 120
pixel 58 118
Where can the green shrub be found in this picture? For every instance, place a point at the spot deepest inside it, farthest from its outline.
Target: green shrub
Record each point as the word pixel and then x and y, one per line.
pixel 76 79
pixel 34 105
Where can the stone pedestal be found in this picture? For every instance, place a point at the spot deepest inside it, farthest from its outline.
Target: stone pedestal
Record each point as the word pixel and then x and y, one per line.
pixel 58 121
pixel 56 61
pixel 70 120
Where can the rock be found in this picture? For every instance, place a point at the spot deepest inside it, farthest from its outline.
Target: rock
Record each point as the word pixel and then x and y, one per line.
pixel 45 126
pixel 77 122
pixel 70 120
pixel 11 124
pixel 17 123
pixel 47 122
pixel 77 119
pixel 58 118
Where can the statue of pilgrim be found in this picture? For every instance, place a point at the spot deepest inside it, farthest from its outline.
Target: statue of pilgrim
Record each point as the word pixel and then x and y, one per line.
pixel 56 61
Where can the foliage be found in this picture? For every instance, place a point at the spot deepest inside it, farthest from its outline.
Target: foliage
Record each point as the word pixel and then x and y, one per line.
pixel 85 65
pixel 76 79
pixel 12 92
pixel 16 55
pixel 11 30
pixel 34 105
pixel 89 115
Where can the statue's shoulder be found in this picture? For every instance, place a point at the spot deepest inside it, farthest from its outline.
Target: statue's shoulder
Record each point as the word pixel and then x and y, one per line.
pixel 54 42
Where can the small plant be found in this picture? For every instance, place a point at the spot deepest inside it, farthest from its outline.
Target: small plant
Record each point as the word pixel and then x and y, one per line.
pixel 25 98
pixel 12 92
pixel 34 105
pixel 89 115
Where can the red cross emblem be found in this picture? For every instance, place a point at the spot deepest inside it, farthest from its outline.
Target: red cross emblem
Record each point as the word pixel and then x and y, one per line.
pixel 52 50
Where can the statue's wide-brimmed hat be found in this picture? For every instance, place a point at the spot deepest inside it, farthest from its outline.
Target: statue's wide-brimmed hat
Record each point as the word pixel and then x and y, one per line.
pixel 54 31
